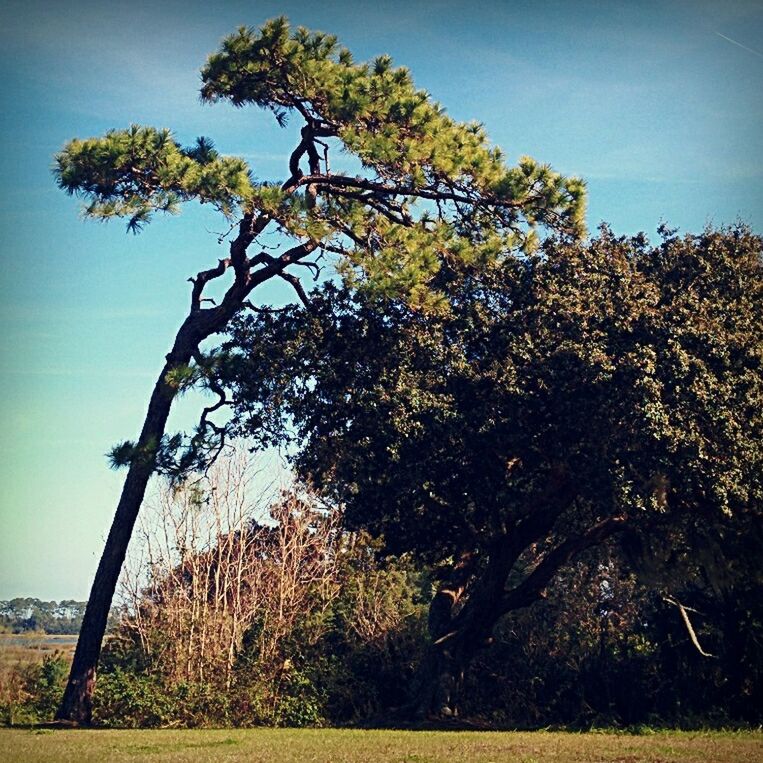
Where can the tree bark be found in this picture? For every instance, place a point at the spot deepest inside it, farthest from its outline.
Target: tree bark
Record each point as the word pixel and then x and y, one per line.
pixel 447 660
pixel 461 619
pixel 440 676
pixel 441 673
pixel 461 622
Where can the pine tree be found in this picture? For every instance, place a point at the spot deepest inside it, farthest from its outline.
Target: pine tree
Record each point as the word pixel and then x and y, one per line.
pixel 433 192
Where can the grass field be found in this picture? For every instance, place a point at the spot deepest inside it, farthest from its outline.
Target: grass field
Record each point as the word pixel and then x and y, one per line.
pixel 357 746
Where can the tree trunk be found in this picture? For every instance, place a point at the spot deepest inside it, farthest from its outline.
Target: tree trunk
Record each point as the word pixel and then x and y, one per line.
pixel 77 703
pixel 441 673
pixel 461 623
pixel 440 679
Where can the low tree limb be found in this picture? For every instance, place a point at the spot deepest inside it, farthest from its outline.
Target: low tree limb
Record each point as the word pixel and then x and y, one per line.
pixel 532 586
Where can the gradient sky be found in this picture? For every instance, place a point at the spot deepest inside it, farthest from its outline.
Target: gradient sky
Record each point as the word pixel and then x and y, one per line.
pixel 658 105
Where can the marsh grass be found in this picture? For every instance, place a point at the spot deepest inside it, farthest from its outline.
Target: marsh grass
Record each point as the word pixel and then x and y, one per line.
pixel 17 650
pixel 370 746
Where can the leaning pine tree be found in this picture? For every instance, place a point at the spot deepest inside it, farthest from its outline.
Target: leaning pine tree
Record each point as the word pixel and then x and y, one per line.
pixel 431 191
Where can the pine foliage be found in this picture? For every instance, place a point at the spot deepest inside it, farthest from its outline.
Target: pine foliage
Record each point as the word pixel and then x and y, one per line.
pixel 433 191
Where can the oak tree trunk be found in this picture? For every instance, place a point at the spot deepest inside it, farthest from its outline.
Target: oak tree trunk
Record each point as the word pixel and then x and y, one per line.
pixel 440 679
pixel 440 675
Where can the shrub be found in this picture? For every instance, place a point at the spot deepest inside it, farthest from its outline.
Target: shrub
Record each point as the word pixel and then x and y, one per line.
pixel 31 693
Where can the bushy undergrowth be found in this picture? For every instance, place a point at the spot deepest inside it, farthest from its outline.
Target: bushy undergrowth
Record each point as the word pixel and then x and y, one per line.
pixel 575 659
pixel 299 623
pixel 340 649
pixel 30 693
pixel 601 650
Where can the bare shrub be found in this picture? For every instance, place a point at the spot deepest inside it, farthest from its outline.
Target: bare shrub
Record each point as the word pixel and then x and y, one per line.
pixel 218 556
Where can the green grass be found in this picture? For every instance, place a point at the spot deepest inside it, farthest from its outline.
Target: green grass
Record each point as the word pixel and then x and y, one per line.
pixel 358 746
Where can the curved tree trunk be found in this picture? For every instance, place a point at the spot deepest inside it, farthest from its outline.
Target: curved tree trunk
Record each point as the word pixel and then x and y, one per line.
pixel 441 677
pixel 461 622
pixel 77 703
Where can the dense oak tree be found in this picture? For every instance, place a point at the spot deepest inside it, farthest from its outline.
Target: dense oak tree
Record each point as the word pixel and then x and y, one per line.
pixel 428 191
pixel 608 390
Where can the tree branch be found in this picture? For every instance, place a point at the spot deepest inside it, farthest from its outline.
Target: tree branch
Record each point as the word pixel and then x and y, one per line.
pixel 393 189
pixel 381 207
pixel 305 146
pixel 532 586
pixel 265 310
pixel 203 278
pixel 249 227
pixel 294 281
pixel 480 612
pixel 687 622
pixel 204 422
pixel 313 267
pixel 275 265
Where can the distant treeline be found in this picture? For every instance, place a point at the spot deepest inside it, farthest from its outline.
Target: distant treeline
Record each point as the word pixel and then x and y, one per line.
pixel 55 617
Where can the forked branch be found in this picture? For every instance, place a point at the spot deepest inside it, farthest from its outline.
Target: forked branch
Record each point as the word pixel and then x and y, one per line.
pixel 532 586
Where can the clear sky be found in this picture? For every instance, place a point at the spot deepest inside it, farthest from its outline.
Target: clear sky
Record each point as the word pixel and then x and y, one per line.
pixel 658 105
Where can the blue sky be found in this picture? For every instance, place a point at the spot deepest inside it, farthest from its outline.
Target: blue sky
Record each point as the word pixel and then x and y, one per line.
pixel 658 105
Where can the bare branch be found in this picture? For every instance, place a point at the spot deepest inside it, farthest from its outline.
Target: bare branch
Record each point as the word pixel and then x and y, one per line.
pixel 325 155
pixel 267 310
pixel 262 258
pixel 394 189
pixel 299 105
pixel 222 236
pixel 334 249
pixel 687 622
pixel 248 228
pixel 291 256
pixel 294 281
pixel 314 268
pixel 205 424
pixel 305 146
pixel 382 206
pixel 203 278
